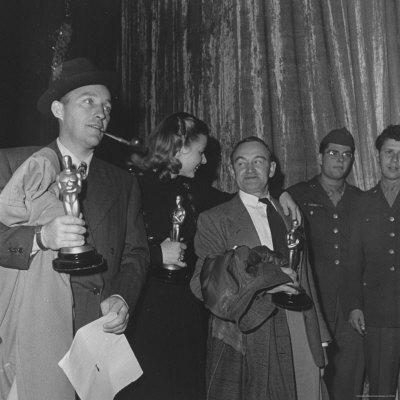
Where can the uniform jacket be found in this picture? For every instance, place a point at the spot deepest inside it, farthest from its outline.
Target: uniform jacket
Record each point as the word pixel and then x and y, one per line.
pixel 374 268
pixel 328 232
pixel 111 206
pixel 235 372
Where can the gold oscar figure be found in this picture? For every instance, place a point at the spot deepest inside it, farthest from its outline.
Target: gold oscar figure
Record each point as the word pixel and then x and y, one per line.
pixel 72 259
pixel 300 301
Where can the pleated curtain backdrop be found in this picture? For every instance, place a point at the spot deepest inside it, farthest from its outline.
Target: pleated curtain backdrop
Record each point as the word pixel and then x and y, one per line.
pixel 287 71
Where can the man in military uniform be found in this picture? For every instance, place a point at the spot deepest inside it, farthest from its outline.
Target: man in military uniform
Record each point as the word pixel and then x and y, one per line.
pixel 325 201
pixel 374 267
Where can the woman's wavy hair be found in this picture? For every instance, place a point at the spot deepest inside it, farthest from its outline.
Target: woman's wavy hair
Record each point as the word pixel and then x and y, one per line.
pixel 171 134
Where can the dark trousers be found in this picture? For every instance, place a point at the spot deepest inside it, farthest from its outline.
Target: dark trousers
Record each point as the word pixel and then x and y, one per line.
pixel 344 375
pixel 382 353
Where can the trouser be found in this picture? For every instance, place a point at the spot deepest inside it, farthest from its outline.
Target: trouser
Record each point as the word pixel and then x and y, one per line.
pixel 344 374
pixel 307 373
pixel 382 355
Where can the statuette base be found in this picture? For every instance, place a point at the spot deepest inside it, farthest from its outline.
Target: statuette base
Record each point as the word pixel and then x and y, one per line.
pixel 293 302
pixel 78 259
pixel 178 275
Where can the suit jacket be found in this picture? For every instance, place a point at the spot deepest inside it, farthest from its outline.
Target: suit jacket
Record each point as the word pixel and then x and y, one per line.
pixel 328 230
pixel 267 345
pixel 112 209
pixel 373 283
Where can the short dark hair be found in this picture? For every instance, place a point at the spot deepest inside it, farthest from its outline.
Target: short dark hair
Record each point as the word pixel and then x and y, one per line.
pixel 171 134
pixel 249 139
pixel 391 132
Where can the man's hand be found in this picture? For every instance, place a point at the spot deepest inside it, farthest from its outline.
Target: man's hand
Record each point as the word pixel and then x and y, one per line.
pixel 290 288
pixel 172 252
pixel 65 231
pixel 290 207
pixel 117 305
pixel 357 321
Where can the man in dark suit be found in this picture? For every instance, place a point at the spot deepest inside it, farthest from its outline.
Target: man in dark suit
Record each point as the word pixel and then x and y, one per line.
pixel 79 97
pixel 256 350
pixel 326 202
pixel 374 267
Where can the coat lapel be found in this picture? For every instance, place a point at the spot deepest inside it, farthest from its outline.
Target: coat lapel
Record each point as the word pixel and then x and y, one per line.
pixel 243 231
pixel 99 194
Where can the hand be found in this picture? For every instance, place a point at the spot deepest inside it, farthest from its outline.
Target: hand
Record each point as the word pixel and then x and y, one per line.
pixel 117 305
pixel 172 252
pixel 290 288
pixel 290 207
pixel 64 231
pixel 357 321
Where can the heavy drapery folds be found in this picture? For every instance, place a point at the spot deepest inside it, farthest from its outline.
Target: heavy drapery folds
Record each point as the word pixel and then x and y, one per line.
pixel 285 70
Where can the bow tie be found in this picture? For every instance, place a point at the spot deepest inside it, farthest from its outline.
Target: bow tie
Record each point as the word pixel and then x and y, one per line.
pixel 82 169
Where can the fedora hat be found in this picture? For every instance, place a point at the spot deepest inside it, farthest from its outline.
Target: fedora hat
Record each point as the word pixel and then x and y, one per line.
pixel 71 75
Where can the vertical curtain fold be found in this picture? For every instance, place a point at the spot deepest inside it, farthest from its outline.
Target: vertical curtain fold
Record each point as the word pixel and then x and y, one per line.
pixel 287 71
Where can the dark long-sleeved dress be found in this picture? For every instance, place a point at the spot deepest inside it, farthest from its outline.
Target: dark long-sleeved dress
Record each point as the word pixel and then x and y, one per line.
pixel 168 329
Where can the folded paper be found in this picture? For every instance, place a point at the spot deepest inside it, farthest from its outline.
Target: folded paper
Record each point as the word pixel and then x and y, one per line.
pixel 100 364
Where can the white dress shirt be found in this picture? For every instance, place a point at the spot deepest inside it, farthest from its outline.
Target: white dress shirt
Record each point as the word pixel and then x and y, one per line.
pixel 258 214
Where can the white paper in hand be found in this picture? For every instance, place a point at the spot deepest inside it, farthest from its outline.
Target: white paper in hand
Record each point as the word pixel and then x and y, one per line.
pixel 100 364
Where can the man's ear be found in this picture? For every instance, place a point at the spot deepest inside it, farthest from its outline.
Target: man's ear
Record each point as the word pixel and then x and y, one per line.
pixel 378 157
pixel 320 159
pixel 272 168
pixel 57 108
pixel 231 171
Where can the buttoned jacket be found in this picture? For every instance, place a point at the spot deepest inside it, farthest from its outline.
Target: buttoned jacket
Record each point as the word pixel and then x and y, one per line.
pixel 374 259
pixel 111 205
pixel 328 232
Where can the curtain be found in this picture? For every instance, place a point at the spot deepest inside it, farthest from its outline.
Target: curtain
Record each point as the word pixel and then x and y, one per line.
pixel 287 71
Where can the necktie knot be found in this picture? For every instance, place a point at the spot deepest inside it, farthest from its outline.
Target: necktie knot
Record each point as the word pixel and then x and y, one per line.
pixel 82 169
pixel 265 201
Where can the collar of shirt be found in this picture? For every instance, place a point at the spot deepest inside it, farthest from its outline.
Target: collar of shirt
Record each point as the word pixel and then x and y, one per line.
pixel 249 200
pixel 76 161
pixel 258 214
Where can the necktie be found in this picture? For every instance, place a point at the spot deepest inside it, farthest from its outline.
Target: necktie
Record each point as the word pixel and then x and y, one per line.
pixel 82 169
pixel 277 227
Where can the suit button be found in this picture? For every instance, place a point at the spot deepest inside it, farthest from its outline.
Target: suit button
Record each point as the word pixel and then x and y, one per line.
pixel 392 269
pixel 335 246
pixel 335 216
pixel 392 234
pixel 391 251
pixel 311 212
pixel 335 230
pixel 96 291
pixel 391 219
pixel 337 262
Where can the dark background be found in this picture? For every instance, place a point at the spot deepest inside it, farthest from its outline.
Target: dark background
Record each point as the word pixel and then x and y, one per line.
pixel 27 39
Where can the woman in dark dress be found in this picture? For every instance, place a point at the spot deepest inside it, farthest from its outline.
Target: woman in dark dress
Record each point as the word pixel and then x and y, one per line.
pixel 168 329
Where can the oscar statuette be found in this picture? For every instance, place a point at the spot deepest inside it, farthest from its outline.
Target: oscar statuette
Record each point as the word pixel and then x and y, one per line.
pixel 300 301
pixel 81 258
pixel 172 273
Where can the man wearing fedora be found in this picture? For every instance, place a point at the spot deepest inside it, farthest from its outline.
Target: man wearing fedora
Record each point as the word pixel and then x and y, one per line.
pixel 79 96
pixel 326 201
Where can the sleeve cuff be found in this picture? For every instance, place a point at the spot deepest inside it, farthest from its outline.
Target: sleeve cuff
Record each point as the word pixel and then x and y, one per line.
pixel 120 297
